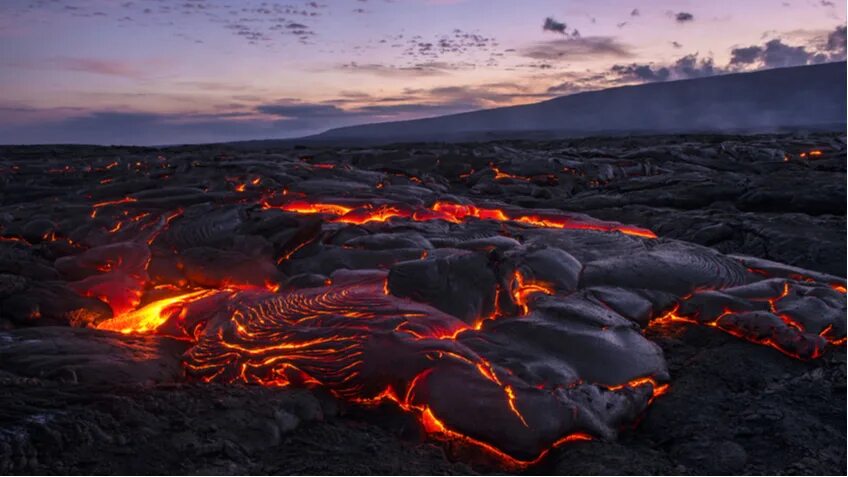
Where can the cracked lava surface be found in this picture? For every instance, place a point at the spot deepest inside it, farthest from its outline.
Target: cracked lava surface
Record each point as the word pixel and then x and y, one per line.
pixel 511 329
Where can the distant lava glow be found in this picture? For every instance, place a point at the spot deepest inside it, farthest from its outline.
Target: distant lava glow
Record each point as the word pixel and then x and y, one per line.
pixel 814 153
pixel 454 212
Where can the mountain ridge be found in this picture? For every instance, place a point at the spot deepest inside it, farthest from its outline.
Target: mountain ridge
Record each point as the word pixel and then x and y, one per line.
pixel 811 97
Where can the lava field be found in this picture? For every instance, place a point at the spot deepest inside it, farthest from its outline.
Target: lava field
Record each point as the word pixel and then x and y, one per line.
pixel 664 304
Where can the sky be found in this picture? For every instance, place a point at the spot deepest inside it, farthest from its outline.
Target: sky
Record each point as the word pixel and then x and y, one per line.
pixel 152 72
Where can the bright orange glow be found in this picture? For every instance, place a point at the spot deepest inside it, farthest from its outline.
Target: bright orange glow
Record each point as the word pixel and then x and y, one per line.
pixel 825 333
pixel 499 174
pixel 272 287
pixel 303 207
pixel 115 202
pixel 151 316
pixel 657 389
pixel 459 212
pixel 367 214
pixel 451 212
pixel 510 395
pixel 671 317
pixel 812 153
pixel 523 289
pixel 433 425
pixel 98 205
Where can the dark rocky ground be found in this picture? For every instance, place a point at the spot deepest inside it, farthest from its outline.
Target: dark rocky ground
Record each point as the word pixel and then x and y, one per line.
pixel 76 400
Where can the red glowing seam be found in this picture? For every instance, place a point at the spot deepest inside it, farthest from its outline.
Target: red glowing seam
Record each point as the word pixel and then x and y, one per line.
pixel 499 174
pixel 672 316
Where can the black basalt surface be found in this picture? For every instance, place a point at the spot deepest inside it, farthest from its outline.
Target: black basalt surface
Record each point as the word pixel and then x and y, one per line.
pixel 646 305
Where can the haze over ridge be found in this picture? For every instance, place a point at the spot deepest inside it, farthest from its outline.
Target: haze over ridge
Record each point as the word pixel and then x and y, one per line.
pixel 802 97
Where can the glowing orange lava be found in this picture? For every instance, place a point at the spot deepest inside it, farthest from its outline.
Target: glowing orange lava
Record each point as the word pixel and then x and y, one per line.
pixel 98 205
pixel 434 426
pixel 499 174
pixel 657 389
pixel 452 212
pixel 523 289
pixel 304 207
pixel 725 323
pixel 811 153
pixel 151 316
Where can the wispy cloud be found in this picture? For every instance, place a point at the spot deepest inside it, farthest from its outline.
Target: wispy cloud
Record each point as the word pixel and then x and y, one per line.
pixel 579 48
pixel 137 70
pixel 415 70
pixel 110 67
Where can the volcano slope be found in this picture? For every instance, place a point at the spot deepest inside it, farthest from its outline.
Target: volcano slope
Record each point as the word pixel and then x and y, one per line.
pixel 644 305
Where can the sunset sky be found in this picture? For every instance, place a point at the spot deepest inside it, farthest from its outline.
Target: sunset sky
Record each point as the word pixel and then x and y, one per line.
pixel 164 72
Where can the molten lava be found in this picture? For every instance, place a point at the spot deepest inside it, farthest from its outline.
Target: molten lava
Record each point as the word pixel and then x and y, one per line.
pixel 454 212
pixel 814 153
pixel 151 316
pixel 522 290
pixel 499 174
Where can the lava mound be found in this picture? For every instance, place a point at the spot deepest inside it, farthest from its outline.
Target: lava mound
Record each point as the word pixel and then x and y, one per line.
pixel 514 329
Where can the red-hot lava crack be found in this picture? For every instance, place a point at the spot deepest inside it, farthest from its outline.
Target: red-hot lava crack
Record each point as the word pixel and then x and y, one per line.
pixel 777 313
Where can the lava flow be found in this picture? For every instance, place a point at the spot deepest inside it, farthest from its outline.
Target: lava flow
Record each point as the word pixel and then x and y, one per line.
pixel 357 341
pixel 362 213
pixel 510 352
pixel 150 317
